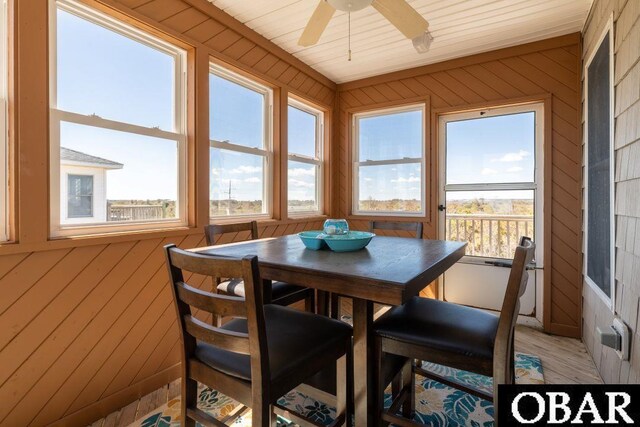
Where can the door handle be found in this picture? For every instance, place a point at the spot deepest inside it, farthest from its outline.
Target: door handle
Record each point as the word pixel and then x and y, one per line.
pixel 442 208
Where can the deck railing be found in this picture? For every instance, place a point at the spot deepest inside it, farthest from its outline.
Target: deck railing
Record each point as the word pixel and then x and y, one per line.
pixel 494 236
pixel 134 212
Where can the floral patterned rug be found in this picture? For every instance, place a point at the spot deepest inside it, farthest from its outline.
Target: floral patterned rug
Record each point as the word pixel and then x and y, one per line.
pixel 436 404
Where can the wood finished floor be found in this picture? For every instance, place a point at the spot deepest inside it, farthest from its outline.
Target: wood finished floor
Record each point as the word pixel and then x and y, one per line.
pixel 564 361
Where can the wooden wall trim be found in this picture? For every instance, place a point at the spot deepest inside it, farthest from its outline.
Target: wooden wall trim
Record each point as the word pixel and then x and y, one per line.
pixel 566 40
pixel 120 399
pixel 226 19
pixel 31 107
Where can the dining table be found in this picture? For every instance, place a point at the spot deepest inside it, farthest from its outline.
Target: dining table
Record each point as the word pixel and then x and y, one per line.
pixel 390 270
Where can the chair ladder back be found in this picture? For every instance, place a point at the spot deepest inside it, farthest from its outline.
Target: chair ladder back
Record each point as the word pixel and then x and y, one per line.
pixel 213 230
pixel 415 227
pixel 251 307
pixel 201 264
pixel 236 342
pixel 218 304
pixel 516 286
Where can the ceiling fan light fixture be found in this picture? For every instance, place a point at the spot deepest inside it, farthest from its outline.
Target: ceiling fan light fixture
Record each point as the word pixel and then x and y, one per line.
pixel 422 43
pixel 349 5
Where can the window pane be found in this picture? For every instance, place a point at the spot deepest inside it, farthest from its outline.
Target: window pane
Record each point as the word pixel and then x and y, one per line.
pixel 101 72
pixel 491 149
pixel 390 136
pixel 134 177
pixel 237 183
pixel 491 221
pixel 236 113
pixel 302 132
pixel 390 188
pixel 302 188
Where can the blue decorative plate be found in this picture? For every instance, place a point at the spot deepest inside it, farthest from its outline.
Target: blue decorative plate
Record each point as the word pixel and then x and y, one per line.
pixel 352 241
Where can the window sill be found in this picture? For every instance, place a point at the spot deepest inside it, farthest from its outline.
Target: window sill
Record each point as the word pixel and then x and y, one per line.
pixel 264 221
pixel 390 217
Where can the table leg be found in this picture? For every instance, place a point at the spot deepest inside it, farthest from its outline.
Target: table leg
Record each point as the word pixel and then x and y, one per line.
pixel 363 362
pixel 322 300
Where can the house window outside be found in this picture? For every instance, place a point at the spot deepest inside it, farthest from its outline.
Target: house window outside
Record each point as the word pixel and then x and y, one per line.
pixel 305 137
pixel 389 162
pixel 79 196
pixel 118 113
pixel 240 145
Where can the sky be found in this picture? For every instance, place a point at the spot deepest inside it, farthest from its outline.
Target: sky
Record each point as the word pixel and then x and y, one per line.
pixel 94 77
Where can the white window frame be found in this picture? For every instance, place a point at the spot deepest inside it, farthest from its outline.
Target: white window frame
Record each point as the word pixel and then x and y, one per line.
pixel 266 152
pixel 179 133
pixel 317 160
pixel 609 300
pixel 422 107
pixel 4 123
pixel 537 186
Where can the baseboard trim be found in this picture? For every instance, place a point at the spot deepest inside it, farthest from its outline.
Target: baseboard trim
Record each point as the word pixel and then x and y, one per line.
pixel 564 330
pixel 120 399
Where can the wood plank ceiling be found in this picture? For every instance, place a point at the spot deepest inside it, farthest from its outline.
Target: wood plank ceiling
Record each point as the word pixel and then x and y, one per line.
pixel 459 28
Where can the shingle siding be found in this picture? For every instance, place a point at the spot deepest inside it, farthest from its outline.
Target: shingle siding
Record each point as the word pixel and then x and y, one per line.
pixel 596 313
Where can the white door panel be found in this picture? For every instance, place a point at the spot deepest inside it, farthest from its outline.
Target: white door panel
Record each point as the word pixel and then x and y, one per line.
pixel 465 284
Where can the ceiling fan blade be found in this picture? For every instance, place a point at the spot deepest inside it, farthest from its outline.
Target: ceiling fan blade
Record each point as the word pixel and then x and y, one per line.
pixel 317 23
pixel 402 16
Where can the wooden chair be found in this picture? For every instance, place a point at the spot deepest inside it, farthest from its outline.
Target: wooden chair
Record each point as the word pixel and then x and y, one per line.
pixel 281 293
pixel 447 334
pixel 260 355
pixel 415 227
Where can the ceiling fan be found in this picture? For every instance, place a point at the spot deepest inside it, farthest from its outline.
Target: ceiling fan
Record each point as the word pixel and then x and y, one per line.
pixel 398 12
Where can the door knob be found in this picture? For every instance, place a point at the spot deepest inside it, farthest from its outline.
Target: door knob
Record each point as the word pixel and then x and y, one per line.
pixel 442 208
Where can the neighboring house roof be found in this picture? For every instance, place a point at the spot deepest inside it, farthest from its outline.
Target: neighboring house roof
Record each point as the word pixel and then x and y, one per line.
pixel 73 157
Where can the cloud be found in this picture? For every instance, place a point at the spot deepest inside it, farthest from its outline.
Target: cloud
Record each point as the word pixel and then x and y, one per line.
pixel 253 179
pixel 302 172
pixel 513 157
pixel 215 172
pixel 246 169
pixel 368 179
pixel 410 179
pixel 514 169
pixel 488 171
pixel 300 184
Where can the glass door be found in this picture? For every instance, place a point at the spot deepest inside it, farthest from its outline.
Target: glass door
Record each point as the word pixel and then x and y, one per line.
pixel 490 196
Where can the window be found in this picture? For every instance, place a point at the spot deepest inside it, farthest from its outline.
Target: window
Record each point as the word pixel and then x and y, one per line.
pixel 118 112
pixel 240 145
pixel 305 136
pixel 80 196
pixel 3 122
pixel 389 162
pixel 599 220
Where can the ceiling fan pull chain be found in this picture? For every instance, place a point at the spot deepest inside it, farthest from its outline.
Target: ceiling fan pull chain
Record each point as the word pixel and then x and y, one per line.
pixel 349 35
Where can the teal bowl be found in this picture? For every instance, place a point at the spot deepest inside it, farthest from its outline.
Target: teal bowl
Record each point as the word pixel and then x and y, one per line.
pixel 352 241
pixel 312 239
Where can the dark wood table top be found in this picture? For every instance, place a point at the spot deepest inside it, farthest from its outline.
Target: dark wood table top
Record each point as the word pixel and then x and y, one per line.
pixel 389 270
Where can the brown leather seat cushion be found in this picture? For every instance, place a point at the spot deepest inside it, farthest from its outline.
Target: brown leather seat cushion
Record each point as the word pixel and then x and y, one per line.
pixel 442 326
pixel 278 289
pixel 293 338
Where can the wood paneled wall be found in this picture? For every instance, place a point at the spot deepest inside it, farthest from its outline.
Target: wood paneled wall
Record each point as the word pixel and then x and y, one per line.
pixel 86 324
pixel 596 312
pixel 547 71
